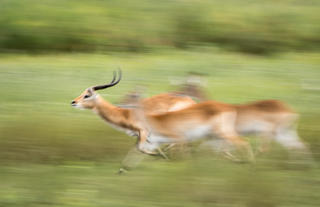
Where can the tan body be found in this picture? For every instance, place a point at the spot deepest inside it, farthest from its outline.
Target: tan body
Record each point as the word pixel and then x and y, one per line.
pixel 201 120
pixel 169 125
pixel 129 121
pixel 165 102
pixel 269 118
pixel 158 103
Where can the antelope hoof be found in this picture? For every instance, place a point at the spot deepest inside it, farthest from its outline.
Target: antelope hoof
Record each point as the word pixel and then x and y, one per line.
pixel 148 148
pixel 162 154
pixel 148 152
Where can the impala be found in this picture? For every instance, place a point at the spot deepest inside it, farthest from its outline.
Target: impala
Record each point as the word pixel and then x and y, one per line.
pixel 195 121
pixel 154 105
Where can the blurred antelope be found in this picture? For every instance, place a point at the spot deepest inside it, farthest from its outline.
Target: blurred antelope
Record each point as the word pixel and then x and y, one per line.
pixel 192 86
pixel 250 124
pixel 210 118
pixel 195 121
pixel 154 105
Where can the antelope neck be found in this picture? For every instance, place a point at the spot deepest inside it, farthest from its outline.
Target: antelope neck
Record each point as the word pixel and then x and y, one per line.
pixel 112 114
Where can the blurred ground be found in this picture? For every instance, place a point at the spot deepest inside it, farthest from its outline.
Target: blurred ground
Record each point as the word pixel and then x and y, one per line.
pixel 54 155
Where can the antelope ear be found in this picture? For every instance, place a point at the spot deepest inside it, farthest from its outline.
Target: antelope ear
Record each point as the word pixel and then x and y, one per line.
pixel 91 91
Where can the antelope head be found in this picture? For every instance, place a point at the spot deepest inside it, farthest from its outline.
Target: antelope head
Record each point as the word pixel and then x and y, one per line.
pixel 88 98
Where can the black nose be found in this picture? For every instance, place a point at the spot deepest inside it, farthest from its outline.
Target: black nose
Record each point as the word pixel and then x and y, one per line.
pixel 73 102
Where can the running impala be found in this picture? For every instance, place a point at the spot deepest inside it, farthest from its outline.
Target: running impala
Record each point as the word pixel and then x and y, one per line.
pixel 210 118
pixel 157 104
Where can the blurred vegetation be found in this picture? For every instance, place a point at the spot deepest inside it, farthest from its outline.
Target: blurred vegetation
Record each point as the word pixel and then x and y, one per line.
pixel 258 27
pixel 50 51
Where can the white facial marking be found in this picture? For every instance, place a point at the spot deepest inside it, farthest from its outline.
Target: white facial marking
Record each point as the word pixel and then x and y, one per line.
pixel 90 97
pixel 78 105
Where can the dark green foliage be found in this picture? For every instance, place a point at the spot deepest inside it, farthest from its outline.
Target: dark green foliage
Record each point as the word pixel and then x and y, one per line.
pixel 257 27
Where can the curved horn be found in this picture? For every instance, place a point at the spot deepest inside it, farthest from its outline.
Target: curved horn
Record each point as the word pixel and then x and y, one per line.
pixel 114 77
pixel 112 83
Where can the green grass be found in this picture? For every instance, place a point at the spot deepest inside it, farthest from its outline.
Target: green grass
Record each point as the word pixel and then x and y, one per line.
pixel 197 182
pixel 55 155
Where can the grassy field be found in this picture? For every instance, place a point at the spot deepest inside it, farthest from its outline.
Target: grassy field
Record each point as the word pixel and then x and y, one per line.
pixel 54 155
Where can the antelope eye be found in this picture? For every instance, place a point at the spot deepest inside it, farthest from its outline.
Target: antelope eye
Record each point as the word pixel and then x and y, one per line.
pixel 86 96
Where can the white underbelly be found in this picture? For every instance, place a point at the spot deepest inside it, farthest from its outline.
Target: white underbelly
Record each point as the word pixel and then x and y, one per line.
pixel 197 132
pixel 190 134
pixel 159 139
pixel 254 127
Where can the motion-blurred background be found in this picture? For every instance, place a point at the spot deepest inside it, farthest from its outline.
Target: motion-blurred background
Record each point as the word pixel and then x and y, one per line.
pixel 51 50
